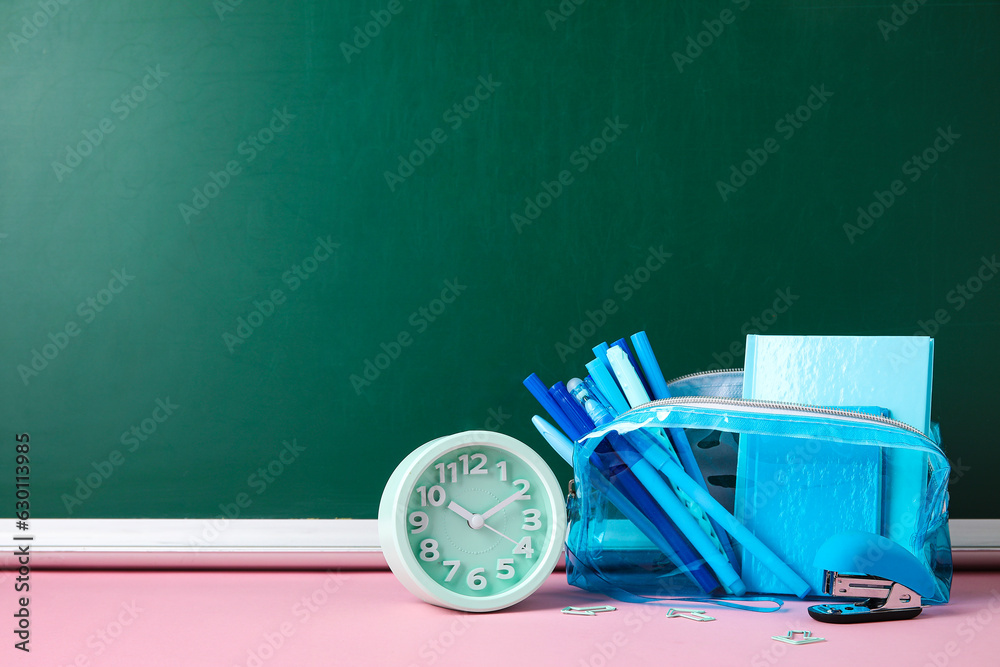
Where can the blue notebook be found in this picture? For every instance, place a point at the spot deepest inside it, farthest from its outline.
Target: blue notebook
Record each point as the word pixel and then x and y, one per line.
pixel 803 492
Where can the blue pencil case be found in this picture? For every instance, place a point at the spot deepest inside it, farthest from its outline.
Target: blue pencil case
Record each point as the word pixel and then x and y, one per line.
pixel 641 526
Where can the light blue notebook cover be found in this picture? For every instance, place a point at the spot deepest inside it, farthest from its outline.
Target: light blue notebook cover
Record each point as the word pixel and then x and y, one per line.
pixel 803 492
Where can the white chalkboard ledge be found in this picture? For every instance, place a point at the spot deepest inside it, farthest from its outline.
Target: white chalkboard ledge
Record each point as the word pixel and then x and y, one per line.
pixel 313 544
pixel 283 544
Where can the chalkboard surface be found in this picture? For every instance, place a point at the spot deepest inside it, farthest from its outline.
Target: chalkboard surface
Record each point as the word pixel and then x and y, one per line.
pixel 252 253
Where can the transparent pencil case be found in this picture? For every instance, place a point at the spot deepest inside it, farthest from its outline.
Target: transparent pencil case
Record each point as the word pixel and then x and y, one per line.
pixel 789 478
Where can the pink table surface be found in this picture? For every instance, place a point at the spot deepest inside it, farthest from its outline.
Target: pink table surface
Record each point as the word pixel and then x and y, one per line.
pixel 258 619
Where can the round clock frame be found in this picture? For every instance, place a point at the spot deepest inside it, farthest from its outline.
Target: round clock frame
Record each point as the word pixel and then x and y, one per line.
pixel 429 519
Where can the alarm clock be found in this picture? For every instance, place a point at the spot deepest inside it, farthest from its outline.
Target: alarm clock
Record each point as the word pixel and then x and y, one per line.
pixel 473 521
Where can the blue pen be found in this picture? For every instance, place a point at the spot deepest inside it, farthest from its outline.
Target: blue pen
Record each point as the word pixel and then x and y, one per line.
pixel 571 409
pixel 541 394
pixel 621 344
pixel 650 367
pixel 601 353
pixel 658 489
pixel 681 515
pixel 564 446
pixel 659 460
pixel 606 383
pixel 677 435
pixel 596 412
pixel 636 504
pixel 596 394
pixel 627 378
pixel 636 394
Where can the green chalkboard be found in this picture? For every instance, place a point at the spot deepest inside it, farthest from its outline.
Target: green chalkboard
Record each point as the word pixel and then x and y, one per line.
pixel 269 247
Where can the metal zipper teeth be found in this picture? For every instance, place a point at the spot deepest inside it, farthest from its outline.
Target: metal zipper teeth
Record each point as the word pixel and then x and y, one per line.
pixel 775 405
pixel 717 371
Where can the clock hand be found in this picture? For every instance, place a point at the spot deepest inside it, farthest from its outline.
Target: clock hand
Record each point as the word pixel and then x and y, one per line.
pixel 503 503
pixel 460 511
pixel 514 542
pixel 476 521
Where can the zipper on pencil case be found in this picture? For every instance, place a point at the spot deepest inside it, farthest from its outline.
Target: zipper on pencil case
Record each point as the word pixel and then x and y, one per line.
pixel 691 376
pixel 778 408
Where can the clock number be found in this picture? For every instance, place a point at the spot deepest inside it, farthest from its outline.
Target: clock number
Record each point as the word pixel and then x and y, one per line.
pixel 453 467
pixel 419 522
pixel 503 470
pixel 476 580
pixel 525 485
pixel 479 468
pixel 454 565
pixel 504 568
pixel 524 547
pixel 435 496
pixel 531 520
pixel 429 550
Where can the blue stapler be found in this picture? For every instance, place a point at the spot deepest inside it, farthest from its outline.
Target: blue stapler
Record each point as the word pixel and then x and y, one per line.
pixel 887 578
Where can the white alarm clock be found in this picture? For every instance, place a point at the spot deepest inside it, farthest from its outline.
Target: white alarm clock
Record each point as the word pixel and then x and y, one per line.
pixel 473 521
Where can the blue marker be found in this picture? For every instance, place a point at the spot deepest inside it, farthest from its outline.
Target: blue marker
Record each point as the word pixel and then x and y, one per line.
pixel 559 442
pixel 621 344
pixel 595 411
pixel 596 394
pixel 653 484
pixel 659 460
pixel 601 353
pixel 629 380
pixel 572 410
pixel 541 394
pixel 638 506
pixel 650 367
pixel 606 383
pixel 682 446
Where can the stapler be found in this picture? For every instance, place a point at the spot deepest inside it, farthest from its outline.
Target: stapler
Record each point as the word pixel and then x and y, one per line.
pixel 889 579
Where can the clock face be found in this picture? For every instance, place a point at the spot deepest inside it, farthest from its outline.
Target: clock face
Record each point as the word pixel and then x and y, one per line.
pixel 478 524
